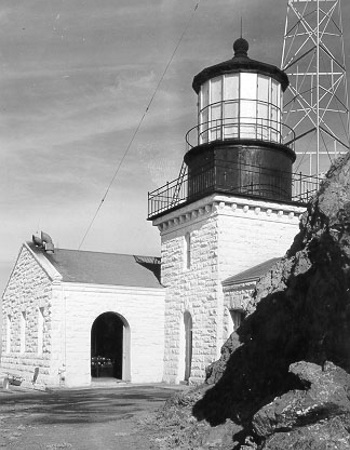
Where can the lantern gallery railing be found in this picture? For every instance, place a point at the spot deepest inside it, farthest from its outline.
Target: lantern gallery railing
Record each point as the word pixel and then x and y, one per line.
pixel 244 182
pixel 258 129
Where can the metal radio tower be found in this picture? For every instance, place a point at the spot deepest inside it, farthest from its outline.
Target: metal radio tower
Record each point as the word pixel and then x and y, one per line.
pixel 316 104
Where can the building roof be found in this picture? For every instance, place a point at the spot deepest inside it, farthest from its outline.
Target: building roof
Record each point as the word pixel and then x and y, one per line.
pixel 104 268
pixel 240 63
pixel 252 274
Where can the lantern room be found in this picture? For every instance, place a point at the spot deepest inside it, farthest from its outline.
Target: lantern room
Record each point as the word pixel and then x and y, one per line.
pixel 241 101
pixel 237 147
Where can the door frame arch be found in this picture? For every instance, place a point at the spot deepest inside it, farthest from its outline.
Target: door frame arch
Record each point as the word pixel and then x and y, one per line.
pixel 126 357
pixel 186 347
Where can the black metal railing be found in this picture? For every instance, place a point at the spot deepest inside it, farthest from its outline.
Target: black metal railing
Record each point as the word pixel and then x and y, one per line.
pixel 233 129
pixel 237 180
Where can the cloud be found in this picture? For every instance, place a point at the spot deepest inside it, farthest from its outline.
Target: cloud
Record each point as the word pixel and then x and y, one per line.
pixel 76 78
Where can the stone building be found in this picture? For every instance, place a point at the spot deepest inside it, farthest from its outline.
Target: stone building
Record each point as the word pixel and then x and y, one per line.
pixel 223 222
pixel 64 310
pixel 238 290
pixel 233 209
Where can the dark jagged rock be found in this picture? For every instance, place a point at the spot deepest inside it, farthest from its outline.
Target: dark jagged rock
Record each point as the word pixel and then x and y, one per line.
pixel 298 318
pixel 323 435
pixel 326 396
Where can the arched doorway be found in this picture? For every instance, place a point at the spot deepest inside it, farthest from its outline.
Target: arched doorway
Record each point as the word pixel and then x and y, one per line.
pixel 188 345
pixel 110 347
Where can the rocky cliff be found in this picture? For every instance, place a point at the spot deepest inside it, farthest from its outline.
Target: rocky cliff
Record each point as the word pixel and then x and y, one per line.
pixel 284 376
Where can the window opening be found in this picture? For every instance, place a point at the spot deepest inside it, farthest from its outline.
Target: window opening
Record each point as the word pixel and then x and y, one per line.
pixel 188 344
pixel 188 250
pixel 23 332
pixel 8 333
pixel 237 317
pixel 40 330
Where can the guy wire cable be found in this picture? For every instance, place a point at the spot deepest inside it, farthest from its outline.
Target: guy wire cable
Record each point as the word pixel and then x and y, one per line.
pixel 139 125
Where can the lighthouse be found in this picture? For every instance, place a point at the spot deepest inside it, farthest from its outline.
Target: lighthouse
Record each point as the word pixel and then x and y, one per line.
pixel 237 146
pixel 231 210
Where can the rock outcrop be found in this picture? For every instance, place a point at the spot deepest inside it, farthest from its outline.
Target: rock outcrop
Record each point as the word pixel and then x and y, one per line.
pixel 284 376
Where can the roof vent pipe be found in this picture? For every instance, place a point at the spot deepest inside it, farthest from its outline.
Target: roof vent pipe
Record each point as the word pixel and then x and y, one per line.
pixel 37 241
pixel 48 243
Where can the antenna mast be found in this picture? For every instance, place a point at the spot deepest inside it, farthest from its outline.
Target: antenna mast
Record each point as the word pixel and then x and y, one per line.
pixel 316 103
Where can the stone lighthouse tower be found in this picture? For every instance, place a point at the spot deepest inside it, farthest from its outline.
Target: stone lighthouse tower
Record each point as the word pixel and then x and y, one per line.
pixel 232 210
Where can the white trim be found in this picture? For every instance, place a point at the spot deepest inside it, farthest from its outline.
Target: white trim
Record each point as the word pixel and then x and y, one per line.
pixel 45 264
pixel 229 205
pixel 103 288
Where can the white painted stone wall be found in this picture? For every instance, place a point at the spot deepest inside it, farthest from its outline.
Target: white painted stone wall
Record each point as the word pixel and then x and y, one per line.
pixel 69 312
pixel 193 290
pixel 28 289
pixel 143 310
pixel 228 235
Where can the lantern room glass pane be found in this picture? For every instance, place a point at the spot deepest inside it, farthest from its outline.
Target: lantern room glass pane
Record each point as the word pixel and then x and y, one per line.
pixel 216 90
pixel 275 128
pixel 231 121
pixel 215 122
pixel 248 119
pixel 204 96
pixel 263 121
pixel 263 88
pixel 203 128
pixel 275 93
pixel 248 85
pixel 203 113
pixel 248 105
pixel 231 87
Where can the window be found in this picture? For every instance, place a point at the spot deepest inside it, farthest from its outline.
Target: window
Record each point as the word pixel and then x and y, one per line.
pixel 236 317
pixel 241 105
pixel 216 90
pixel 248 86
pixel 248 105
pixel 8 333
pixel 231 105
pixel 263 107
pixel 275 110
pixel 263 89
pixel 231 88
pixel 204 112
pixel 40 330
pixel 187 251
pixel 23 331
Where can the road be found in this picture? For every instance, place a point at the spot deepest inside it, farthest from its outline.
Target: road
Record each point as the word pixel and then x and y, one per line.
pixel 103 418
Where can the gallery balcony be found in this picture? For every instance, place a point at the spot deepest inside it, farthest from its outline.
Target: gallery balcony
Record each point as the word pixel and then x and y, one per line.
pixel 239 179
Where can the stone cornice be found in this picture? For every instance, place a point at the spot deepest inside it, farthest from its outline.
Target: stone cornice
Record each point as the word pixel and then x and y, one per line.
pixel 230 206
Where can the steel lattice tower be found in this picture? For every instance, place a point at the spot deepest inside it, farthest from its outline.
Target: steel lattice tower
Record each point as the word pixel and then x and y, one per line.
pixel 316 103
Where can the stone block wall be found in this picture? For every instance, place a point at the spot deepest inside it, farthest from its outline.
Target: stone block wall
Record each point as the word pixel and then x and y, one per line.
pixel 68 312
pixel 236 298
pixel 141 309
pixel 192 289
pixel 228 235
pixel 250 233
pixel 29 289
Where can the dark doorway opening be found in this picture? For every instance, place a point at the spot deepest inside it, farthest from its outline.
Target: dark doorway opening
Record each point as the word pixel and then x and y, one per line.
pixel 107 346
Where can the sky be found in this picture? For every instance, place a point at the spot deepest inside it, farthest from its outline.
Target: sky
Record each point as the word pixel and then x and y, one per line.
pixel 76 77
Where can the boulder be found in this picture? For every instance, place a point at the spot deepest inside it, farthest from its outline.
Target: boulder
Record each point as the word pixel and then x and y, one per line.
pixel 325 397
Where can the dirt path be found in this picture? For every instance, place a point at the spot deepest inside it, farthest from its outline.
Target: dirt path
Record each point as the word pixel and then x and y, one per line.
pixel 108 419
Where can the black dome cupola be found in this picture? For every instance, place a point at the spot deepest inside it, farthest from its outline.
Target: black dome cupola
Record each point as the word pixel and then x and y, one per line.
pixel 237 146
pixel 240 62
